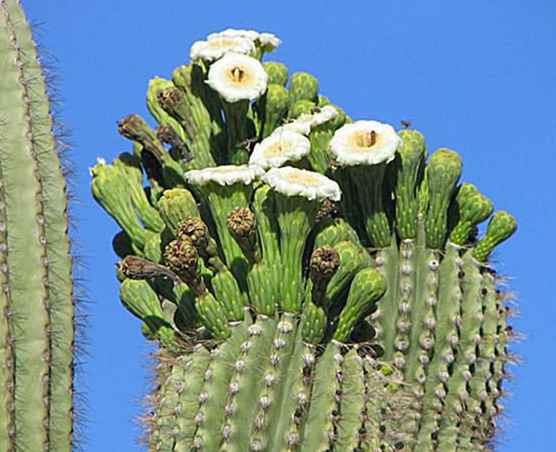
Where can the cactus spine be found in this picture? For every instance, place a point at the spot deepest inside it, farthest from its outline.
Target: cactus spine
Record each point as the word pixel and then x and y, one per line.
pixel 36 307
pixel 340 303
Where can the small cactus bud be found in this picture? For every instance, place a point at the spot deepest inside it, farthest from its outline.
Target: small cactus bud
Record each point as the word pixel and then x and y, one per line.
pixel 501 227
pixel 473 208
pixel 301 107
pixel 443 172
pixel 303 86
pixel 366 288
pixel 277 73
pixel 175 205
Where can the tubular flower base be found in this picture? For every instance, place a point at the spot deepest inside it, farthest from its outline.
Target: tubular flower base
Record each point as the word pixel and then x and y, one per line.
pixel 341 303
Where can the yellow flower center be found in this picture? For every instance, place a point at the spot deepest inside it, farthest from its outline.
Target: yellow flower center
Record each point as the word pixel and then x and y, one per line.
pixel 238 75
pixel 299 177
pixel 364 139
pixel 275 149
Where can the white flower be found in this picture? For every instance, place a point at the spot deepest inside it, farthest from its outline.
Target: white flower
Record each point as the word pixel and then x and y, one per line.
pixel 280 147
pixel 224 175
pixel 100 162
pixel 305 122
pixel 297 182
pixel 364 143
pixel 326 113
pixel 216 47
pixel 269 41
pixel 237 77
pixel 301 124
pixel 235 33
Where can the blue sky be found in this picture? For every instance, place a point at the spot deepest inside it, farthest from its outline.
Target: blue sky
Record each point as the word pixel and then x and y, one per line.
pixel 476 76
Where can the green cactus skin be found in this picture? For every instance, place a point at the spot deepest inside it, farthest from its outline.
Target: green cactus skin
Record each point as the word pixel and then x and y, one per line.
pixel 291 323
pixel 37 322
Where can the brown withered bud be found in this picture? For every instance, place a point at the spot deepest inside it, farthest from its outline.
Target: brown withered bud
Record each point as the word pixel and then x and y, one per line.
pixel 166 134
pixel 136 129
pixel 195 230
pixel 170 99
pixel 323 264
pixel 135 267
pixel 182 257
pixel 328 209
pixel 242 224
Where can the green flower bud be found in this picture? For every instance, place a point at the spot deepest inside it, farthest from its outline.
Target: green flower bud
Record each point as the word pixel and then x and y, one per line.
pixel 176 205
pixel 337 231
pixel 472 208
pixel 323 100
pixel 212 315
pixel 141 300
pixel 301 107
pixel 501 227
pixel 313 323
pixel 443 172
pixel 110 189
pixel 275 107
pixel 182 77
pixel 303 86
pixel 277 73
pixel 366 288
pixel 410 163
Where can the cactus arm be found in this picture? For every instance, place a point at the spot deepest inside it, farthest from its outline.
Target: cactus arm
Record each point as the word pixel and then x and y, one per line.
pixel 353 402
pixel 320 428
pixel 209 418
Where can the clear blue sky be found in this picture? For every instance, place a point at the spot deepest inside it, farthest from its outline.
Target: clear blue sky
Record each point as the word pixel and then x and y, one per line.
pixel 477 76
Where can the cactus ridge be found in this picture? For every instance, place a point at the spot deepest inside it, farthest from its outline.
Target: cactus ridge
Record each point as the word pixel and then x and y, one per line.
pixel 37 329
pixel 290 317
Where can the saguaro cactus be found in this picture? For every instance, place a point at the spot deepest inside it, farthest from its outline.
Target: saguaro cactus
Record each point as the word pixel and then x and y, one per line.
pixel 315 283
pixel 36 307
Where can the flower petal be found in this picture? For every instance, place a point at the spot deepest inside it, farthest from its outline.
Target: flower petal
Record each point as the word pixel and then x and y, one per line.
pixel 238 77
pixel 364 143
pixel 297 182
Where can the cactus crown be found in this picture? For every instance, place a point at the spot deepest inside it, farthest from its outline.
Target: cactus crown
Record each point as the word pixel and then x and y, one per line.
pixel 281 246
